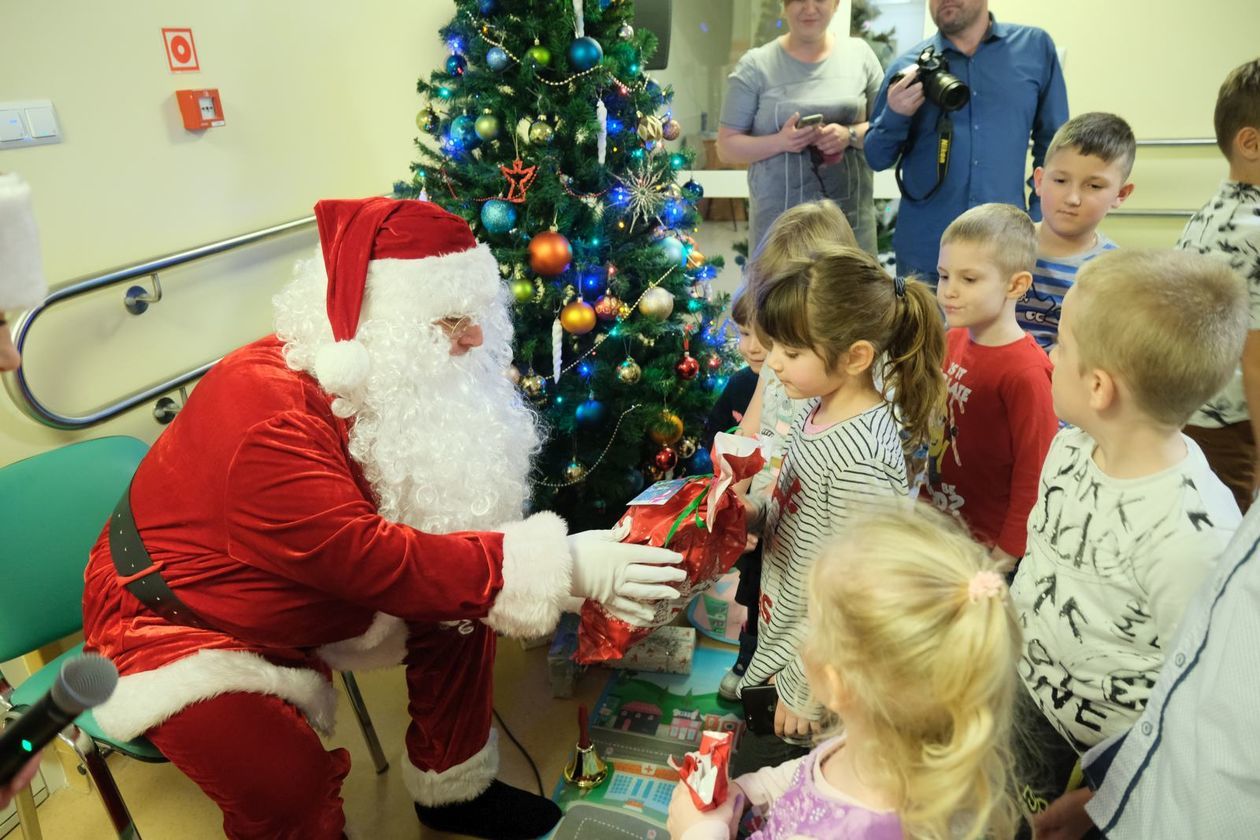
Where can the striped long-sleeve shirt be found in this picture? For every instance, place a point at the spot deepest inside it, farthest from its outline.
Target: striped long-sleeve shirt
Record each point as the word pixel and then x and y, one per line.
pixel 828 475
pixel 1039 310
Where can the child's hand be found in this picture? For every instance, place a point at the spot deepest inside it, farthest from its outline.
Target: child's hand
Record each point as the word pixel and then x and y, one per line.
pixel 683 813
pixel 788 725
pixel 1065 819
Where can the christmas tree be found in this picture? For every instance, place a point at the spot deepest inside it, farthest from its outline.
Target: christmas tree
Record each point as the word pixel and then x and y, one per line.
pixel 546 135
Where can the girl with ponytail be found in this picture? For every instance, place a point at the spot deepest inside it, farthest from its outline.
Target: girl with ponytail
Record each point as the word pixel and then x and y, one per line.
pixel 836 325
pixel 913 644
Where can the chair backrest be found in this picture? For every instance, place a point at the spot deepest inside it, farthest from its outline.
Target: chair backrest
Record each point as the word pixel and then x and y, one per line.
pixel 52 508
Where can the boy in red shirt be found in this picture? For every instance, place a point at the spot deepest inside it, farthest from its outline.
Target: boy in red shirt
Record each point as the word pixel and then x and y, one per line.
pixel 999 417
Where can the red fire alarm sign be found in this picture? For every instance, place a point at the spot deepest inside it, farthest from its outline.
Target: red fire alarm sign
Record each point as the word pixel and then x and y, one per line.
pixel 181 52
pixel 200 108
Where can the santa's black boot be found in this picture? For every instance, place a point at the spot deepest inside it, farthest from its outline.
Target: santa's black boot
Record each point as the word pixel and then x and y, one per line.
pixel 501 812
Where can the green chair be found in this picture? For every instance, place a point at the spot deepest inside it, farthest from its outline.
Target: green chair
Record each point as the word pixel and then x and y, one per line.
pixel 52 509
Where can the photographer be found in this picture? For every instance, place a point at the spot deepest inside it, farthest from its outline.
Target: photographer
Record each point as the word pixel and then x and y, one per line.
pixel 1016 91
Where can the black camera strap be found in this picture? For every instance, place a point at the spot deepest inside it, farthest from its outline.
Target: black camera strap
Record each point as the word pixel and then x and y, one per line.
pixel 944 144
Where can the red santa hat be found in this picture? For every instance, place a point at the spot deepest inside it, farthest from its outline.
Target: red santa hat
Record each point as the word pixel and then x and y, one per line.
pixel 21 268
pixel 389 241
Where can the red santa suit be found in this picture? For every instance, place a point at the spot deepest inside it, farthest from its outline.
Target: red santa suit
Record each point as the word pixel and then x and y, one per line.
pixel 265 526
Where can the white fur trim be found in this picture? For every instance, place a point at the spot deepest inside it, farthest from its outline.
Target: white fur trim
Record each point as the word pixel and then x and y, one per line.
pixel 460 783
pixel 382 645
pixel 144 700
pixel 537 576
pixel 21 266
pixel 462 283
pixel 341 367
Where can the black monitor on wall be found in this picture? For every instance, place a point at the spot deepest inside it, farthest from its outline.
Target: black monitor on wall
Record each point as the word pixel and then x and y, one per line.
pixel 656 16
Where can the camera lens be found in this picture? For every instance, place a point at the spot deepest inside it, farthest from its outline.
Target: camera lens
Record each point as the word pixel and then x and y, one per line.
pixel 947 91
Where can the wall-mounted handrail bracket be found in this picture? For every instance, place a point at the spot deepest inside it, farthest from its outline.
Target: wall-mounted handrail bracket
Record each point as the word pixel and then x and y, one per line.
pixel 165 409
pixel 138 298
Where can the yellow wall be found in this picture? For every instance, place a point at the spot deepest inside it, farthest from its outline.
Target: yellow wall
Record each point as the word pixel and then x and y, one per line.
pixel 1158 64
pixel 320 101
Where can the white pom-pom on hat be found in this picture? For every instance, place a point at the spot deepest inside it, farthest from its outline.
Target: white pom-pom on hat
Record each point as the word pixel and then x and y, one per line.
pixel 342 367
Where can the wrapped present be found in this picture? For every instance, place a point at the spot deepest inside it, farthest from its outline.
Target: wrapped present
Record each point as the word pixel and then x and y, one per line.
pixel 668 650
pixel 704 772
pixel 702 519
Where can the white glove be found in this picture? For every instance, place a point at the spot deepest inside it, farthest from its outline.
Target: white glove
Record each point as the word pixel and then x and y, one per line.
pixel 622 577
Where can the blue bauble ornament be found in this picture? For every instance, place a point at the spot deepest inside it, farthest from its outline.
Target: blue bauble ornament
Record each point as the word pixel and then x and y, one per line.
pixel 585 53
pixel 497 59
pixel 486 7
pixel 693 191
pixel 700 463
pixel 590 413
pixel 464 131
pixel 498 216
pixel 673 250
pixel 456 65
pixel 634 482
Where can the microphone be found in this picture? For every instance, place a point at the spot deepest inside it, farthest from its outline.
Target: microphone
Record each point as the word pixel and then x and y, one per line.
pixel 84 681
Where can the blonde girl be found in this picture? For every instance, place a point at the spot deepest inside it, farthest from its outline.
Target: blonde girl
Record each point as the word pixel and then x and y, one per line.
pixel 913 644
pixel 829 320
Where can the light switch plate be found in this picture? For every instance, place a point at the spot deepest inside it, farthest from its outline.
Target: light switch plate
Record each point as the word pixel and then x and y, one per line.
pixel 31 122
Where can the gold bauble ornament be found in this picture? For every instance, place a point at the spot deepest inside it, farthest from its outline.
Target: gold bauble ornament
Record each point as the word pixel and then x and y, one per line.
pixel 574 472
pixel 696 260
pixel 666 429
pixel 534 386
pixel 687 447
pixel 522 290
pixel 541 134
pixel 671 130
pixel 650 130
pixel 629 371
pixel 578 318
pixel 657 303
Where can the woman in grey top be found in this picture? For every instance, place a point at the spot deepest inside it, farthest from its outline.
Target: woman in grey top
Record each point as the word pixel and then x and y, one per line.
pixel 805 72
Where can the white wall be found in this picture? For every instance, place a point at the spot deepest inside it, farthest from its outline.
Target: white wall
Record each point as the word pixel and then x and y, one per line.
pixel 320 101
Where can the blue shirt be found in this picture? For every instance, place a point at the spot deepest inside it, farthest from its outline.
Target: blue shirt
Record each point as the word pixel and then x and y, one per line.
pixel 1188 767
pixel 1017 91
pixel 1039 310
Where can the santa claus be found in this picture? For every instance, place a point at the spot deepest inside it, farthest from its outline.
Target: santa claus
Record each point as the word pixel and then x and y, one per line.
pixel 346 494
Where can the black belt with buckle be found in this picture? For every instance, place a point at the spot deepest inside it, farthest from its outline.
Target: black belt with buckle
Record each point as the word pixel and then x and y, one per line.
pixel 137 572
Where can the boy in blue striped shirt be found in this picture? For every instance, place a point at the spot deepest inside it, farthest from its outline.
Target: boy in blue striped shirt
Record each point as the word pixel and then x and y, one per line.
pixel 1086 174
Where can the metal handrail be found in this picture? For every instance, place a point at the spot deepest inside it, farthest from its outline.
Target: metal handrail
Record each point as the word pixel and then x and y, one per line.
pixel 1179 141
pixel 16 382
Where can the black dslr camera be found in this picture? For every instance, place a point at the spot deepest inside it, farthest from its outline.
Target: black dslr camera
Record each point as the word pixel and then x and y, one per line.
pixel 939 85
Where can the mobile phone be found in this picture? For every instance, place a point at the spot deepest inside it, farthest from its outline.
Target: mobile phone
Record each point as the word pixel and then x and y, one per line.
pixel 760 702
pixel 812 119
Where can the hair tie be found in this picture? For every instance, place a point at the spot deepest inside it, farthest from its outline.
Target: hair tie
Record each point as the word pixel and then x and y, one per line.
pixel 985 584
pixel 899 287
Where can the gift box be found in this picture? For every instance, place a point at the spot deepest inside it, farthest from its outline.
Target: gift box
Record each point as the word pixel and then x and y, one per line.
pixel 667 650
pixel 702 519
pixel 705 772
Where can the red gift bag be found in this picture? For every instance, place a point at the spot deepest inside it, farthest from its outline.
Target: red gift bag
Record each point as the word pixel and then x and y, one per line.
pixel 704 772
pixel 702 519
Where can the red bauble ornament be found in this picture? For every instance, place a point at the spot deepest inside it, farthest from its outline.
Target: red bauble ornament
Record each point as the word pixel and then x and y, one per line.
pixel 549 254
pixel 666 459
pixel 687 366
pixel 607 307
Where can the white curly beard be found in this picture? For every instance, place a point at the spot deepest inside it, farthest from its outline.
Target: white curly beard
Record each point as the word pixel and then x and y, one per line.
pixel 445 441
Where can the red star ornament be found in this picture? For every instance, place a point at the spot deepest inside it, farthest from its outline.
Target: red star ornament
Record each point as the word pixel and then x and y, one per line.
pixel 519 177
